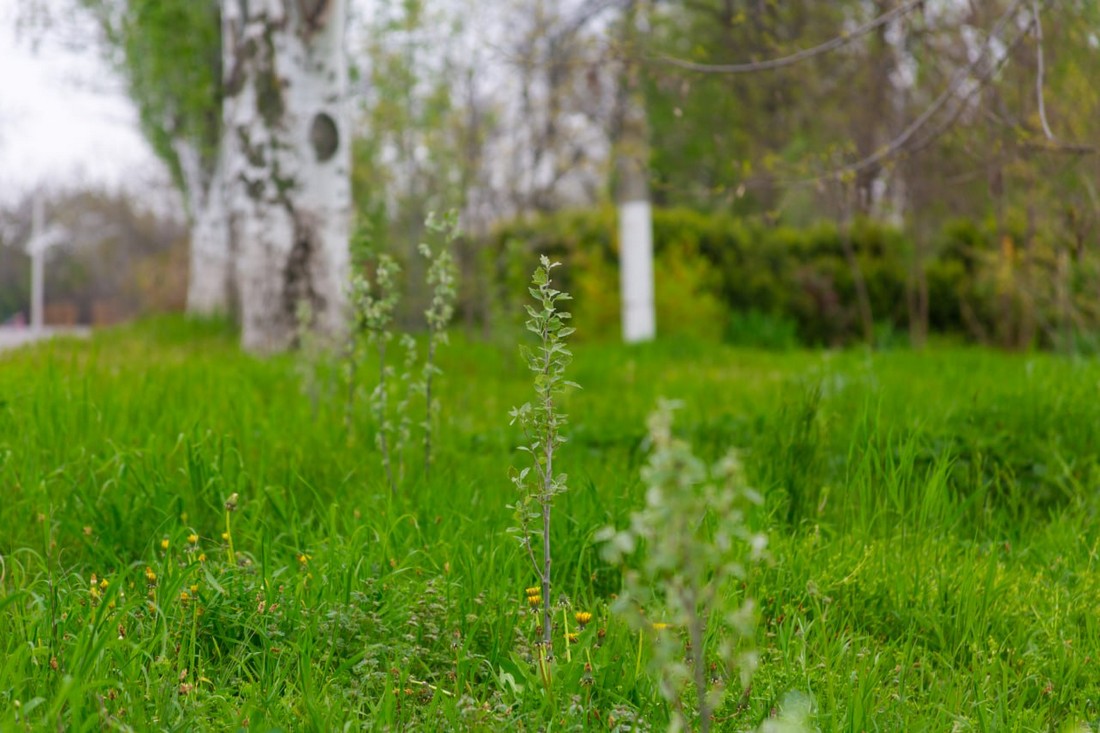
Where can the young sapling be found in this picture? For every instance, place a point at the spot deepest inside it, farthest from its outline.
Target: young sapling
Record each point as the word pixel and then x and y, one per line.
pixel 542 421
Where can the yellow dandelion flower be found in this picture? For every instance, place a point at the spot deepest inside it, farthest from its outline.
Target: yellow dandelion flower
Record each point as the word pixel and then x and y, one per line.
pixel 164 544
pixel 303 558
pixel 573 638
pixel 150 575
pixel 103 584
pixel 533 591
pixel 660 626
pixel 583 617
pixel 184 596
pixel 193 538
pixel 534 601
pixel 225 535
pixel 195 588
pixel 202 557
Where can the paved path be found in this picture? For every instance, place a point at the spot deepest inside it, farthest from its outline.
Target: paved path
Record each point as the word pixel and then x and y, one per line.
pixel 11 338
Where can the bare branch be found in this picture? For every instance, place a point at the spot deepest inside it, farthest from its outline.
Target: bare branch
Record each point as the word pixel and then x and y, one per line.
pixel 952 92
pixel 1040 69
pixel 1055 146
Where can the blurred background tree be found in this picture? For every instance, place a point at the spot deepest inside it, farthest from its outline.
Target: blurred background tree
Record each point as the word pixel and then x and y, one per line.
pixel 853 171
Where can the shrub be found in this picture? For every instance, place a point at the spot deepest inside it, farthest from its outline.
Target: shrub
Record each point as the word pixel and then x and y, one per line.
pixel 718 275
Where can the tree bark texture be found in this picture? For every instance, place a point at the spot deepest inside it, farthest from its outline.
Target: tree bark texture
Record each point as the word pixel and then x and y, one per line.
pixel 287 164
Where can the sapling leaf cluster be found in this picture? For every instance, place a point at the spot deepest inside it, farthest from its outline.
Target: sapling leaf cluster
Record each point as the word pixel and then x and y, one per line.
pixel 374 294
pixel 686 555
pixel 442 278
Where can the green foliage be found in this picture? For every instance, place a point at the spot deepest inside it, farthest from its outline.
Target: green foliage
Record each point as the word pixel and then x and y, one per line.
pixel 698 547
pixel 374 294
pixel 170 53
pixel 441 280
pixel 714 269
pixel 720 140
pixel 442 274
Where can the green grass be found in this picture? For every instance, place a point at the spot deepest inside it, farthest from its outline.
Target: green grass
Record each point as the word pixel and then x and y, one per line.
pixel 932 519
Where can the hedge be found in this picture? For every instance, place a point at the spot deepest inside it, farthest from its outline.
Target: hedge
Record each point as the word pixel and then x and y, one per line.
pixel 716 273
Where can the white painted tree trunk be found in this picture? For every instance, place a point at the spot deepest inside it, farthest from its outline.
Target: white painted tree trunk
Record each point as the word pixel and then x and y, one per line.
pixel 287 165
pixel 639 316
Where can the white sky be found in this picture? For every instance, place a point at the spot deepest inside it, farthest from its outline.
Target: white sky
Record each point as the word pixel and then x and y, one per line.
pixel 63 117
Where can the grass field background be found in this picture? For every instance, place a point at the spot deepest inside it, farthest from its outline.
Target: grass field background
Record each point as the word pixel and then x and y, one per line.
pixel 932 519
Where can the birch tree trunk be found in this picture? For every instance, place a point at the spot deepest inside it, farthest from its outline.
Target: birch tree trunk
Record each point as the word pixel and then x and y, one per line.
pixel 209 282
pixel 287 162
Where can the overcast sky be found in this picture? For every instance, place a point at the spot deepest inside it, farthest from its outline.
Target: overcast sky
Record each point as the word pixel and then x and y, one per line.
pixel 63 117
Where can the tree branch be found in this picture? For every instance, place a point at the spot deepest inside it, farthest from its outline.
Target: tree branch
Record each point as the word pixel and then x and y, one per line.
pixel 954 87
pixel 1040 69
pixel 808 53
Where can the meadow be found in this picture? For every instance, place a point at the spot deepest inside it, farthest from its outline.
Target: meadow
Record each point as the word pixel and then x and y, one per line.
pixel 931 516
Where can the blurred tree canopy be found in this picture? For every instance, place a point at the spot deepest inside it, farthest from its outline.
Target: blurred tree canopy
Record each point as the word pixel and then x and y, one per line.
pixel 909 114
